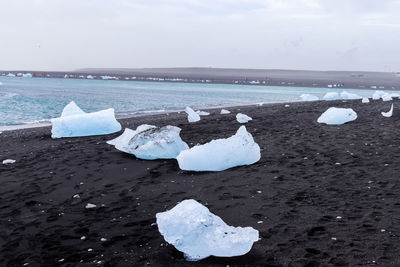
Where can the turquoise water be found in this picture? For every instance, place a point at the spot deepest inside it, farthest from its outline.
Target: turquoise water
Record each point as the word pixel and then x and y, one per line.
pixel 29 100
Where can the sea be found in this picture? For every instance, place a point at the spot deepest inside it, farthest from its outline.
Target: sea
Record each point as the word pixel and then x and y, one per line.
pixel 29 101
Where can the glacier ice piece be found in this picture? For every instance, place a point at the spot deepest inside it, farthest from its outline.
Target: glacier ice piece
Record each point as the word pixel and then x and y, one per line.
pixel 221 154
pixel 202 113
pixel 309 97
pixel 192 229
pixel 95 123
pixel 243 118
pixel 151 142
pixel 389 113
pixel 192 115
pixel 386 97
pixel 225 111
pixel 331 96
pixel 365 100
pixel 72 109
pixel 349 96
pixel 395 95
pixel 127 135
pixel 337 116
pixel 377 95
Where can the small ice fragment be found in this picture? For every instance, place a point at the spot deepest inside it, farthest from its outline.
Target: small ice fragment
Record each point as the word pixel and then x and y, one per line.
pixel 349 96
pixel 378 94
pixel 331 96
pixel 259 192
pixel 383 230
pixel 365 100
pixel 60 260
pixel 242 118
pixel 286 106
pixel 202 113
pixel 309 97
pixel 389 113
pixel 103 239
pixel 76 196
pixel 83 237
pixel 386 97
pixel 338 217
pixel 90 249
pixel 225 111
pixel 9 161
pixel 192 115
pixel 90 206
pixel 259 222
pixel 334 238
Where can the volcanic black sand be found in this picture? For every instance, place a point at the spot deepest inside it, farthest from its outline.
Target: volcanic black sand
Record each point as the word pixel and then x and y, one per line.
pixel 320 195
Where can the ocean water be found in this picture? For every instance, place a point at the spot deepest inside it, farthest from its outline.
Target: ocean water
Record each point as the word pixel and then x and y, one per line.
pixel 31 100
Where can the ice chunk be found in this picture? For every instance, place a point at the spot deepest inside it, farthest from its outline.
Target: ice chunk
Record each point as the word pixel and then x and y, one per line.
pixel 10 75
pixel 27 75
pixel 202 113
pixel 386 97
pixel 1 83
pixel 243 118
pixel 365 100
pixel 395 95
pixel 349 96
pixel 337 116
pixel 96 123
pixel 151 142
pixel 221 154
pixel 309 97
pixel 225 111
pixel 72 109
pixel 377 95
pixel 9 161
pixel 90 206
pixel 331 96
pixel 389 113
pixel 192 116
pixel 90 77
pixel 127 135
pixel 192 229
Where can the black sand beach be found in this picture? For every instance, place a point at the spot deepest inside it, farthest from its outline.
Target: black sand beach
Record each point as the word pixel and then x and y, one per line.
pixel 320 195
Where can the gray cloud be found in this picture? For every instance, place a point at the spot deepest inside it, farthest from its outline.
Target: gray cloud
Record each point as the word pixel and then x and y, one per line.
pixel 301 34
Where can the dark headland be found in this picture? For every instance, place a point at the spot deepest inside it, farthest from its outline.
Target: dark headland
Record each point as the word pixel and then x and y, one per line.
pixel 266 77
pixel 320 195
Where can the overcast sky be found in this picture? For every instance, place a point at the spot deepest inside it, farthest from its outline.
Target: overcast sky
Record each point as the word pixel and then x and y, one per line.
pixel 286 34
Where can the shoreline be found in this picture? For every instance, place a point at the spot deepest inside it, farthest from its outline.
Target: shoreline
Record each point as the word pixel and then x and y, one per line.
pixel 47 123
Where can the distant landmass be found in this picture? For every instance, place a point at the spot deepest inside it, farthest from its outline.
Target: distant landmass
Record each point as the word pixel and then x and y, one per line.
pixel 266 77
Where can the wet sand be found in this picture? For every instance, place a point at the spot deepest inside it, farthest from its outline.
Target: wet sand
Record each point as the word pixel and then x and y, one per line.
pixel 320 195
